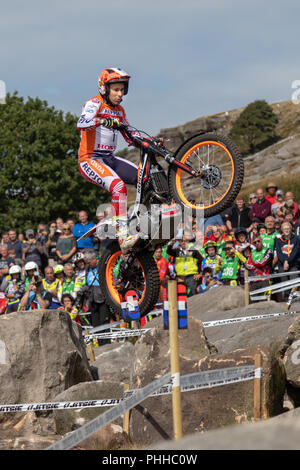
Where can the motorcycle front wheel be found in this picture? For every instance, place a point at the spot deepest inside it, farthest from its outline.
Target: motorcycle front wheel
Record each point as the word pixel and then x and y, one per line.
pixel 143 277
pixel 221 164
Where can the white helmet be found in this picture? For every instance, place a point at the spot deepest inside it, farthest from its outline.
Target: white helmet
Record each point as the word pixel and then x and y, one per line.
pixel 15 269
pixel 32 265
pixel 78 257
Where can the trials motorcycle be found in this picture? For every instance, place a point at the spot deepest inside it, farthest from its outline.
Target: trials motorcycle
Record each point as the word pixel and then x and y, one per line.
pixel 201 178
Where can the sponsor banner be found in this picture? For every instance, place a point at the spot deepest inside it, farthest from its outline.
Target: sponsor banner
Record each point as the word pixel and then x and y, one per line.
pixel 120 333
pixel 107 417
pixel 229 321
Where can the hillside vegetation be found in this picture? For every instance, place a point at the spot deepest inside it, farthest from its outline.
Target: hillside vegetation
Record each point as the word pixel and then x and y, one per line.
pixel 280 162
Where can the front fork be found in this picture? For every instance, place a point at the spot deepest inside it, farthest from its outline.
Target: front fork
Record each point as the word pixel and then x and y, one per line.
pixel 124 267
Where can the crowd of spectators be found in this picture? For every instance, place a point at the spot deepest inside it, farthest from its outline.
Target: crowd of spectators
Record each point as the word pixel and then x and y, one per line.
pixel 260 235
pixel 49 267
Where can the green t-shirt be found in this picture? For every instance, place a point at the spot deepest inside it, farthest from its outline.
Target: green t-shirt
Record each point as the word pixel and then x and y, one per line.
pixel 268 240
pixel 230 268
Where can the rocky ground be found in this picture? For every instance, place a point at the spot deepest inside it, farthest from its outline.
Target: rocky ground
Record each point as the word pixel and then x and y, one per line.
pixel 46 360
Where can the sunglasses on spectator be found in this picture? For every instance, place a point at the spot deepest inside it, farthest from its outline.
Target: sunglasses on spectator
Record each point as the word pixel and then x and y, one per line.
pixel 208 276
pixel 256 241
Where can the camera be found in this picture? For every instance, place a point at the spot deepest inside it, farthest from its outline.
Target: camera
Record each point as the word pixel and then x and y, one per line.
pixel 37 281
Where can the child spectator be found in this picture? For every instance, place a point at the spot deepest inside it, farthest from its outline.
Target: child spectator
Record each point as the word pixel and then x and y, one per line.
pixel 15 289
pixel 241 236
pixel 208 281
pixel 68 305
pixel 230 265
pixel 212 260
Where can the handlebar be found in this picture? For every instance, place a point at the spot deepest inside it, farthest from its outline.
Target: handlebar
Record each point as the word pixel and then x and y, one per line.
pixel 138 140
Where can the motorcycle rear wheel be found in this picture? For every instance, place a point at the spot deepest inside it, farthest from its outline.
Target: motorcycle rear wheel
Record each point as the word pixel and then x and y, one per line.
pixel 143 275
pixel 222 163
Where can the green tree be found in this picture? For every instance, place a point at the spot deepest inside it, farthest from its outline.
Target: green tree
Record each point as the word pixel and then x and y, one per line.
pixel 39 176
pixel 254 129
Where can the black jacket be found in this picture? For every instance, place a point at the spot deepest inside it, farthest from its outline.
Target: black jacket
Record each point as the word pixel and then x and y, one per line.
pixel 238 218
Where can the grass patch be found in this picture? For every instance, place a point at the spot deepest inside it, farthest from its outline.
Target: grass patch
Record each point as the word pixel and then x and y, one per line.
pixel 286 183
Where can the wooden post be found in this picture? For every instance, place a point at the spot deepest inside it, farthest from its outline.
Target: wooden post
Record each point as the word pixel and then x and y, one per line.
pixel 293 289
pixel 257 389
pixel 126 414
pixel 174 357
pixel 246 287
pixel 90 349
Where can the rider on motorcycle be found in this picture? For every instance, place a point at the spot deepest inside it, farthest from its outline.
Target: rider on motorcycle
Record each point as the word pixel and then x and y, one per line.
pixel 97 161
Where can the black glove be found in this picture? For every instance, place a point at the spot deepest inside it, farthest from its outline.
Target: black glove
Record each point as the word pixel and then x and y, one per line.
pixel 111 123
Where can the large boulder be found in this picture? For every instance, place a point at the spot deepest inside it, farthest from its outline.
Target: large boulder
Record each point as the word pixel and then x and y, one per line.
pixel 42 354
pixel 114 361
pixel 110 437
pixel 69 419
pixel 204 409
pixel 219 299
pixel 278 433
pixel 269 332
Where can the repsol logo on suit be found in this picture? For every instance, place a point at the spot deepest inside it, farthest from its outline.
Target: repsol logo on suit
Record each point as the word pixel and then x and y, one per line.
pixel 91 173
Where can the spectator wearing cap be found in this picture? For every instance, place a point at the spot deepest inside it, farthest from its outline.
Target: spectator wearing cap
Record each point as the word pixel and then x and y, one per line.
pixel 262 208
pixel 32 250
pixel 15 243
pixel 278 204
pixel 59 273
pixel 271 193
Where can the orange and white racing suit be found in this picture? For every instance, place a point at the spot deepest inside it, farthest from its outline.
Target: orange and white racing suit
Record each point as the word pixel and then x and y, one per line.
pixel 97 162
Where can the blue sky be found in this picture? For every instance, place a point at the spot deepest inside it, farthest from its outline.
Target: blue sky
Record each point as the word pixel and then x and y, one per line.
pixel 186 59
